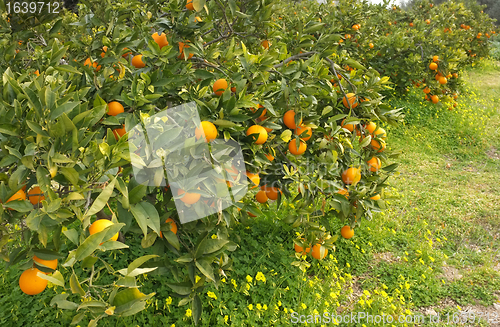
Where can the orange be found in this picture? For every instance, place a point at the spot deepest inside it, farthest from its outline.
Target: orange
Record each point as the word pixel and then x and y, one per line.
pixel 30 283
pixel 261 197
pixel 316 252
pixel 433 66
pixel 35 195
pixel 344 192
pixel 347 232
pixel 302 131
pixel 442 80
pixel 173 226
pixel 435 99
pixel 428 21
pixel 104 49
pixel 262 115
pixel 254 178
pixel 371 45
pixel 301 250
pixel 115 108
pixel 351 97
pixel 435 58
pixel 411 24
pixel 183 45
pixel 37 73
pixel 19 195
pixel 374 164
pixel 427 90
pixel 375 197
pixel 220 86
pixel 137 62
pixel 292 146
pixel 351 175
pixel 269 157
pixel 161 39
pixel 189 198
pixel 349 127
pixel 355 27
pixel 233 89
pixel 379 132
pixel 257 129
pixel 265 44
pixel 209 131
pixel 371 127
pixel 119 132
pixel 189 5
pixel 379 146
pixel 289 119
pixel 272 193
pixel 125 55
pixel 99 225
pixel 52 264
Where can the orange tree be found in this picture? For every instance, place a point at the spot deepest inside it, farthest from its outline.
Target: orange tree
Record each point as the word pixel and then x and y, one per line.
pixel 307 114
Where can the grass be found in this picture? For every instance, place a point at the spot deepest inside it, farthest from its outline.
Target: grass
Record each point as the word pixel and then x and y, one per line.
pixel 446 205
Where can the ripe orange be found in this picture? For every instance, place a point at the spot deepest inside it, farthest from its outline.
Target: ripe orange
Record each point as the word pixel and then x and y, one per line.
pixel 137 62
pixel 189 198
pixel 189 5
pixel 265 44
pixel 220 86
pixel 379 132
pixel 209 131
pixel 115 108
pixel 349 127
pixel 411 24
pixel 119 132
pixel 35 195
pixel 272 193
pixel 19 195
pixel 255 178
pixel 37 73
pixel 52 264
pixel 261 197
pixel 427 90
pixel 292 147
pixel 99 225
pixel 343 192
pixel 374 164
pixel 161 39
pixel 351 175
pixel 371 45
pixel 125 55
pixel 262 115
pixel 173 226
pixel 257 129
pixel 442 80
pixel 433 66
pixel 30 283
pixel 347 232
pixel 428 21
pixel 104 49
pixel 379 146
pixel 302 131
pixel 351 97
pixel 300 249
pixel 355 27
pixel 455 75
pixel 375 197
pixel 316 252
pixel 371 127
pixel 289 119
pixel 183 45
pixel 435 58
pixel 434 99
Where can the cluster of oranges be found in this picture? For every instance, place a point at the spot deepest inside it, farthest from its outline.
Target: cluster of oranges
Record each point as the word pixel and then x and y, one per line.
pixel 30 283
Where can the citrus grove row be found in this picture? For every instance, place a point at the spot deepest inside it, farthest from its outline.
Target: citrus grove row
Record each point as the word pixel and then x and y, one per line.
pixel 300 88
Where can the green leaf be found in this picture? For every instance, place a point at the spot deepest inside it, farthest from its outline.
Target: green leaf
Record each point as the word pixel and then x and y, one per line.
pixel 154 218
pixel 20 205
pixel 71 175
pixel 209 245
pixel 102 199
pixel 198 5
pixel 197 309
pixel 34 101
pixel 62 303
pixel 65 108
pixel 137 193
pixel 140 216
pixel 76 288
pixel 90 244
pixel 206 268
pixel 78 318
pixel 72 235
pixel 224 123
pixel 181 288
pixel 139 261
pixel 172 239
pixel 353 63
pixel 56 278
pixel 9 129
pixel 113 245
